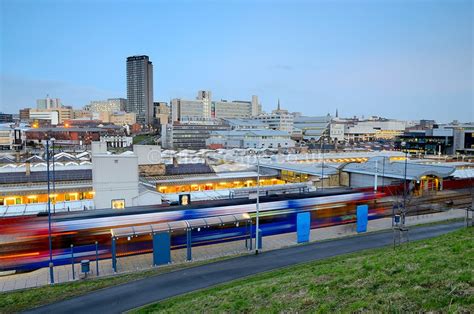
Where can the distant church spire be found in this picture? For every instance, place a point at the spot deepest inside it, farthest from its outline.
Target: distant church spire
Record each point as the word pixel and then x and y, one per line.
pixel 337 114
pixel 278 106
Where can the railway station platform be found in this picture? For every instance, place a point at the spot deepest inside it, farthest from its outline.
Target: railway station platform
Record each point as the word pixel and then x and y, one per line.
pixel 200 253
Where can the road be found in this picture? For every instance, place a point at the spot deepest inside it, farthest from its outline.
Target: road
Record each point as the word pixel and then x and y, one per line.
pixel 134 294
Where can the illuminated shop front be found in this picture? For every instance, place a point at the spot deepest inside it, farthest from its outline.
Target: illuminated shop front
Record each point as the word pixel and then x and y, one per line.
pixel 43 198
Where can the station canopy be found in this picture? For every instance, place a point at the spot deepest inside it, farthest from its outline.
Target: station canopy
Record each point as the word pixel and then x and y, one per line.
pixel 396 169
pixel 141 230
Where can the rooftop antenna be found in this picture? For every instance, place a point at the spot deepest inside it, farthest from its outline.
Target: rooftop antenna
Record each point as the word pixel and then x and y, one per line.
pixel 278 106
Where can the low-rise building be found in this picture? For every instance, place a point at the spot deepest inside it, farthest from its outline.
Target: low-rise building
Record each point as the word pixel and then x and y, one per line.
pixel 245 124
pixel 64 136
pixel 312 128
pixel 123 118
pixel 190 135
pixel 256 138
pixel 55 115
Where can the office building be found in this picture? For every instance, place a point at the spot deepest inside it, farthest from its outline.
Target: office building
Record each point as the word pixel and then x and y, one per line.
pixel 140 88
pixel 161 113
pixel 191 135
pixel 279 119
pixel 109 105
pixel 48 103
pixel 5 117
pixel 204 108
pixel 311 128
pixel 55 115
pixel 25 114
pixel 120 117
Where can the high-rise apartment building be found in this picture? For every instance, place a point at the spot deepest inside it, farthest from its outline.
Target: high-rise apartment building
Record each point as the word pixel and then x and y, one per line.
pixel 140 88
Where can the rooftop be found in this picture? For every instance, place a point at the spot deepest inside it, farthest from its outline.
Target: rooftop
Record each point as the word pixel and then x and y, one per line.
pixel 396 169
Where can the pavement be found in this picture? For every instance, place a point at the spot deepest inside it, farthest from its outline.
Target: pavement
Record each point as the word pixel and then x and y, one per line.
pixel 135 294
pixel 134 263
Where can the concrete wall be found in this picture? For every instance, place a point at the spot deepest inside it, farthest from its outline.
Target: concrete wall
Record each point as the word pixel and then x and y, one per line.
pixel 98 148
pixel 358 180
pixel 114 177
pixel 148 154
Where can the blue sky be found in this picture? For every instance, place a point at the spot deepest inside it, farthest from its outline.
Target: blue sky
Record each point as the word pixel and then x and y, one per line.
pixel 402 59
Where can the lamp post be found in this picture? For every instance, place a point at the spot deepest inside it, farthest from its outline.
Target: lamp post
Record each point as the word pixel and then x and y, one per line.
pixel 51 274
pixel 54 176
pixel 404 145
pixel 322 164
pixel 257 218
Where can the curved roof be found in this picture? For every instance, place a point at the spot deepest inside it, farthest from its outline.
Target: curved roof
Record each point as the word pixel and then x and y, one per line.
pixel 396 169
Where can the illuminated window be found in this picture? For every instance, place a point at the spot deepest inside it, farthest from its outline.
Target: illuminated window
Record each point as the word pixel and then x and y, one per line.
pixel 118 204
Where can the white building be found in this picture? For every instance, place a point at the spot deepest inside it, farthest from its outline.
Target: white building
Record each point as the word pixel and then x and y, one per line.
pixel 51 115
pixel 337 131
pixel 279 119
pixel 117 140
pixel 250 139
pixel 311 128
pixel 367 130
pixel 114 179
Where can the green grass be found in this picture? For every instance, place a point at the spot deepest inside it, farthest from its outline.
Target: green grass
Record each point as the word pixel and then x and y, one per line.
pixel 17 301
pixel 429 275
pixel 145 138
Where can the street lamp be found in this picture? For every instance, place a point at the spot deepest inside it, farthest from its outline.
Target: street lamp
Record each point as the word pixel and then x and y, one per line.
pixel 404 145
pixel 257 218
pixel 51 273
pixel 322 164
pixel 54 175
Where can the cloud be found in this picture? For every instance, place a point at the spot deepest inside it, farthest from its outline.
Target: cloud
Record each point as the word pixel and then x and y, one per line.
pixel 20 92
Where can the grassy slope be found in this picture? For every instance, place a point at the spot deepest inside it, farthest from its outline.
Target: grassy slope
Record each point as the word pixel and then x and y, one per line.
pixel 17 301
pixel 435 274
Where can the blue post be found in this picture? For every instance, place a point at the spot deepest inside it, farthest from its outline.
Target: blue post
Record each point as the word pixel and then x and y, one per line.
pixel 189 256
pixel 259 240
pixel 97 257
pixel 72 262
pixel 114 257
pixel 251 236
pixel 248 238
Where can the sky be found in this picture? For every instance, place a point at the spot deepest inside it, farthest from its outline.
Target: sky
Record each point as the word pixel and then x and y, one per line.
pixel 404 59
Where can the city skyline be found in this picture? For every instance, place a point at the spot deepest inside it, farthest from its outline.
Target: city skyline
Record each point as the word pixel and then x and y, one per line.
pixel 365 59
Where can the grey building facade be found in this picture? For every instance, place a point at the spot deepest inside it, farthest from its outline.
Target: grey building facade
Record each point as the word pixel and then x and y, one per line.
pixel 140 88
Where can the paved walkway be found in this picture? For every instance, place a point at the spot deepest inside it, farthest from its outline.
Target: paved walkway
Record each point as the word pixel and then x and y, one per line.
pixel 144 261
pixel 134 294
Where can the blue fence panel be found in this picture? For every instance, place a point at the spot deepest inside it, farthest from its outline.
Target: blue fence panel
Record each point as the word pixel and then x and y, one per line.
pixel 161 248
pixel 362 217
pixel 303 227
